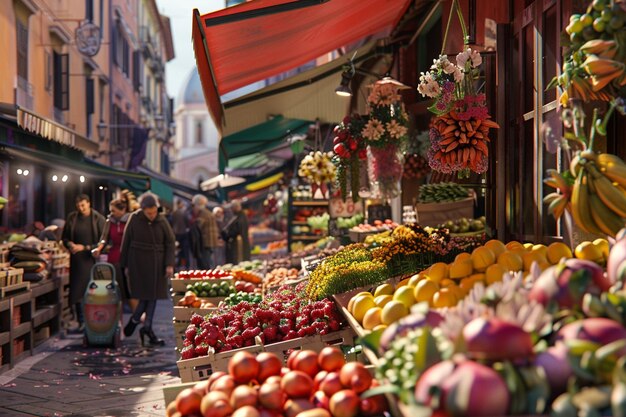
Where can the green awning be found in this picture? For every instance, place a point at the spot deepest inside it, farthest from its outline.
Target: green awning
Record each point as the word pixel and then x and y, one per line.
pixel 260 138
pixel 158 187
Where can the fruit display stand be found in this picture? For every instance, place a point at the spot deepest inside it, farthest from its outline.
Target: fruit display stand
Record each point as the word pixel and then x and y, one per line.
pixel 182 315
pixel 198 369
pixel 432 214
pixel 46 309
pixel 180 285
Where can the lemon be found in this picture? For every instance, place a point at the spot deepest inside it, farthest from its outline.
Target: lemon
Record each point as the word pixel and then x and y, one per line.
pixel 529 257
pixel 461 269
pixel 438 271
pixel 528 246
pixel 415 279
pixel 372 318
pixel 381 300
pixel 482 257
pixel 446 283
pixel 380 327
pixel 366 294
pixel 393 311
pixel 405 296
pixel 462 257
pixel 510 261
pixel 495 246
pixel 468 283
pixel 558 250
pixel 494 273
pixel 353 299
pixel 458 292
pixel 603 244
pixel 543 249
pixel 589 251
pixel 444 298
pixel 383 289
pixel 361 305
pixel 425 290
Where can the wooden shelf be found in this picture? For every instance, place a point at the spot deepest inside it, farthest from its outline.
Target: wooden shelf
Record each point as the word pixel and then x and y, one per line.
pixel 307 203
pixel 21 330
pixel 5 337
pixel 44 314
pixel 43 287
pixel 298 223
pixel 22 298
pixel 304 237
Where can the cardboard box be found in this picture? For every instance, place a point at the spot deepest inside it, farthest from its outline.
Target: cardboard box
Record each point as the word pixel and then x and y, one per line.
pixel 432 214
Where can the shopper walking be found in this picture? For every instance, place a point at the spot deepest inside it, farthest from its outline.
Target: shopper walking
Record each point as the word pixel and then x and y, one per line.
pixel 180 226
pixel 111 243
pixel 235 233
pixel 81 234
pixel 203 232
pixel 219 253
pixel 148 258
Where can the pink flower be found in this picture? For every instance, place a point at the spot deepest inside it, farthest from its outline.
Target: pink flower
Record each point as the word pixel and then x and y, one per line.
pixel 373 130
pixel 396 130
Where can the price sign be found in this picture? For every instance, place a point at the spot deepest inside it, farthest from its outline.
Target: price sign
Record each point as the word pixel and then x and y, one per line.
pixel 348 208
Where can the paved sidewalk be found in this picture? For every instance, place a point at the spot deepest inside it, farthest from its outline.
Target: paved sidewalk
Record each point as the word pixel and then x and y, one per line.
pixel 64 379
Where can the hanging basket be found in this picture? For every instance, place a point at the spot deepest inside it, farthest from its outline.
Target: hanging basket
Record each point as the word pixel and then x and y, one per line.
pixel 385 167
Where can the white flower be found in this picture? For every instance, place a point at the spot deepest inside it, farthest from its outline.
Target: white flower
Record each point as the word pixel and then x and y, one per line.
pixel 462 58
pixel 449 67
pixel 476 58
pixel 458 75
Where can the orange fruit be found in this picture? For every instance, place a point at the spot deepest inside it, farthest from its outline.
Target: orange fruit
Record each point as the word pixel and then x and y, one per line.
pixel 438 271
pixel 512 245
pixel 588 251
pixel 444 298
pixel 372 318
pixel 462 257
pixel 510 261
pixel 494 273
pixel 558 250
pixel 468 283
pixel 461 269
pixel 529 257
pixel 495 246
pixel 482 257
pixel 425 290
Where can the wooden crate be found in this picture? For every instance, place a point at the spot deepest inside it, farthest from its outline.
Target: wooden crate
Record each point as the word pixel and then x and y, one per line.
pixel 198 369
pixel 171 391
pixel 176 297
pixel 182 315
pixel 14 289
pixel 180 285
pixel 316 343
pixel 11 276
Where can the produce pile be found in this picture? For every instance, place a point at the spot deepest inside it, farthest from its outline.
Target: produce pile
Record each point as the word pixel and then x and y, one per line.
pixel 311 385
pixel 282 315
pixel 546 339
pixel 280 276
pixel 203 274
pixel 349 222
pixel 206 289
pixel 376 227
pixel 442 192
pixel 464 225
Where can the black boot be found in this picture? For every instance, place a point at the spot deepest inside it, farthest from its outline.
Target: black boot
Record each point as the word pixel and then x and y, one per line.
pixel 129 329
pixel 153 340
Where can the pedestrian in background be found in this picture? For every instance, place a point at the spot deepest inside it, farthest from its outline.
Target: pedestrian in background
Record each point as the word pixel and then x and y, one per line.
pixel 235 233
pixel 180 226
pixel 219 253
pixel 111 244
pixel 203 232
pixel 148 257
pixel 81 234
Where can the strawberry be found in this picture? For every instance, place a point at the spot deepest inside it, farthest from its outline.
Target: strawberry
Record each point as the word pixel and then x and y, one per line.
pixel 302 331
pixel 202 349
pixel 236 324
pixel 250 322
pixel 196 319
pixel 191 331
pixel 290 335
pixel 334 325
pixel 317 314
pixel 188 352
pixel 270 333
pixel 187 342
pixel 247 334
pixel 285 325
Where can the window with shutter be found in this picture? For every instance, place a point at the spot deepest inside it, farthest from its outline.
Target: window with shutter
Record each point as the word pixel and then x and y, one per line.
pixel 89 10
pixel 125 58
pixel 137 69
pixel 89 104
pixel 61 81
pixel 22 49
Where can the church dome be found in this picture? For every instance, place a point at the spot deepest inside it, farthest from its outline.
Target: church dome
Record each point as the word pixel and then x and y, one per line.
pixel 191 93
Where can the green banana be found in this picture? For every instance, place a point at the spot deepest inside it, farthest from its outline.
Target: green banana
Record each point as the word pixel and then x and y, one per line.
pixel 610 195
pixel 578 347
pixel 609 222
pixel 580 204
pixel 612 167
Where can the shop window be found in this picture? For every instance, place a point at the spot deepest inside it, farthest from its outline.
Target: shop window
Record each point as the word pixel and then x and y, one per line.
pixel 61 69
pixel 48 68
pixel 89 10
pixel 89 104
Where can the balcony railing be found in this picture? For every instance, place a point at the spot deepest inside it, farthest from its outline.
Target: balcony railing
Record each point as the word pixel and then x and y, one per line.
pixel 24 94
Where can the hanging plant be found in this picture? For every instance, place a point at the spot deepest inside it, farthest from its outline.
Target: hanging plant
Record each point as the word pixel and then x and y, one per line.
pixel 460 133
pixel 350 149
pixel 317 168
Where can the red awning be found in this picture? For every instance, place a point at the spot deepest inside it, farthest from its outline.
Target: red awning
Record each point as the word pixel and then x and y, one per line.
pixel 252 41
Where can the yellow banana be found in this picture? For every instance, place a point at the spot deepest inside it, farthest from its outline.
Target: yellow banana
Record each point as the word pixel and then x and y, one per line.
pixel 610 195
pixel 580 204
pixel 602 48
pixel 612 167
pixel 609 222
pixel 557 207
pixel 573 166
pixel 594 65
pixel 551 197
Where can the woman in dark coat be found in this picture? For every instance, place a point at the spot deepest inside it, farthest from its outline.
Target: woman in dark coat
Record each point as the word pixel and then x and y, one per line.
pixel 148 258
pixel 235 229
pixel 81 233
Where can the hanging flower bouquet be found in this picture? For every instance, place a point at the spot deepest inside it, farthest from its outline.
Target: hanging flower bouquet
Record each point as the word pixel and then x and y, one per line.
pixel 386 134
pixel 460 133
pixel 318 170
pixel 350 149
pixel 416 162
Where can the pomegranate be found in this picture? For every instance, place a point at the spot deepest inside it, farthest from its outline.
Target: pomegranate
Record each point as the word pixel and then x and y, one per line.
pixel 557 367
pixel 269 365
pixel 215 404
pixel 331 359
pixel 495 339
pixel 331 384
pixel 243 395
pixel 271 396
pixel 344 403
pixel 374 406
pixel 596 329
pixel 468 388
pixel 318 379
pixel 354 375
pixel 214 376
pixel 306 361
pixel 246 411
pixel 320 400
pixel 291 357
pixel 188 401
pixel 243 367
pixel 202 387
pixel 295 406
pixel 297 384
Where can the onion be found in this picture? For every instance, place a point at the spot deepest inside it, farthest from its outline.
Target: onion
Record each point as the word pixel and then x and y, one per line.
pixel 297 384
pixel 596 329
pixel 468 389
pixel 410 322
pixel 247 411
pixel 243 395
pixel 243 367
pixel 215 404
pixel 495 339
pixel 344 403
pixel 557 367
pixel 306 361
pixel 269 365
pixel 354 375
pixel 331 359
pixel 188 401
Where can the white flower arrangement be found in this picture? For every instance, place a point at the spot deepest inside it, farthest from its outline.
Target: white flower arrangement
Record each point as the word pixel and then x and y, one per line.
pixel 317 168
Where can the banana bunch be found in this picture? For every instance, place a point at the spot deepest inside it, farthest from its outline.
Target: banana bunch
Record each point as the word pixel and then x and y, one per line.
pixel 599 193
pixel 558 201
pixel 442 192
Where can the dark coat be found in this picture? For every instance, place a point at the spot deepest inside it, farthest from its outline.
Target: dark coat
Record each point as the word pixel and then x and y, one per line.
pixel 237 226
pixel 81 262
pixel 147 249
